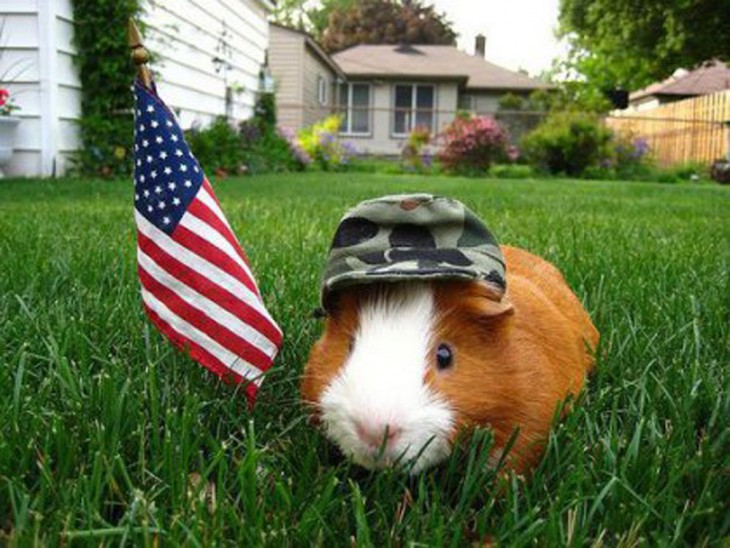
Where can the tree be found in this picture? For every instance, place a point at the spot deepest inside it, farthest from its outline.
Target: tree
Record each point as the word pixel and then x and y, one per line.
pixel 630 43
pixel 339 24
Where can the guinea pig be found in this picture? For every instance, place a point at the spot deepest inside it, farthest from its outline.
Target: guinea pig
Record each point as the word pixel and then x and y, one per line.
pixel 403 367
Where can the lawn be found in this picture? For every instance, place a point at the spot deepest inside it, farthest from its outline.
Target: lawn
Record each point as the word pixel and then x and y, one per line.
pixel 102 422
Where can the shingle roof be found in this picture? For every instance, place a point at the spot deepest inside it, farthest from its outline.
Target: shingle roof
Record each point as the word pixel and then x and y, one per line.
pixel 438 62
pixel 711 77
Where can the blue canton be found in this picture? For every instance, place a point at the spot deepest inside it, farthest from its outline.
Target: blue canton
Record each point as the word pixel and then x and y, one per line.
pixel 166 174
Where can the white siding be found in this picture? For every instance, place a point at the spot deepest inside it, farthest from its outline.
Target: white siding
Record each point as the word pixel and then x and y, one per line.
pixel 37 67
pixel 186 35
pixel 37 58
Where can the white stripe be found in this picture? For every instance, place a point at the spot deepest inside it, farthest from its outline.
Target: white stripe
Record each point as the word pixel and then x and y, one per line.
pixel 215 238
pixel 205 197
pixel 203 267
pixel 229 359
pixel 206 306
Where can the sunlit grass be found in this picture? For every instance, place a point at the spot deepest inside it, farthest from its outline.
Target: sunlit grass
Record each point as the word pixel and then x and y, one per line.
pixel 102 422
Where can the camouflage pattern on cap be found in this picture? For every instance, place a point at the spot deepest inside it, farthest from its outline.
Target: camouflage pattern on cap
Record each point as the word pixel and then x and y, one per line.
pixel 411 237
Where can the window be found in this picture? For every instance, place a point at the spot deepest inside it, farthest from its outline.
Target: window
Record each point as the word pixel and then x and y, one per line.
pixel 321 90
pixel 355 108
pixel 414 106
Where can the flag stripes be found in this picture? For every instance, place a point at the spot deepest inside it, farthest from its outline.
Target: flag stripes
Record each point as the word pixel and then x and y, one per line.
pixel 197 285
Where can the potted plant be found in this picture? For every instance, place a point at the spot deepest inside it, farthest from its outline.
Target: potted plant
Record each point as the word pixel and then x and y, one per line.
pixel 8 125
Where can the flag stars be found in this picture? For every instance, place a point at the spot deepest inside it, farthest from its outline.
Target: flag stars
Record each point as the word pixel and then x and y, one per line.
pixel 166 220
pixel 141 178
pixel 146 193
pixel 136 197
pixel 168 123
pixel 172 186
pixel 153 174
pixel 178 152
pixel 176 201
pixel 188 183
pixel 174 138
pixel 150 108
pixel 145 143
pixel 161 205
pixel 183 168
pixel 150 209
pixel 163 154
pixel 158 140
pixel 141 127
pixel 149 159
pixel 154 123
pixel 168 170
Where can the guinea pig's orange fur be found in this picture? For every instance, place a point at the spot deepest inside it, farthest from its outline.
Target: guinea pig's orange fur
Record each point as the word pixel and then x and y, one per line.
pixel 515 360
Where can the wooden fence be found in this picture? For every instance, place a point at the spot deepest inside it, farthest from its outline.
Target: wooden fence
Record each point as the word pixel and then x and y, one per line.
pixel 682 132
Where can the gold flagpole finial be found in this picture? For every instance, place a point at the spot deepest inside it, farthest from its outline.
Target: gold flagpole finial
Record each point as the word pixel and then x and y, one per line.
pixel 140 55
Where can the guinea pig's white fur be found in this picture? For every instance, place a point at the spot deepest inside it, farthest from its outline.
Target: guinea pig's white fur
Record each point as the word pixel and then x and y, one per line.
pixel 382 383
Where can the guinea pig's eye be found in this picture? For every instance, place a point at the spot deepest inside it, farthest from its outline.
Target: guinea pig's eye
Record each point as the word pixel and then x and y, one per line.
pixel 352 344
pixel 444 357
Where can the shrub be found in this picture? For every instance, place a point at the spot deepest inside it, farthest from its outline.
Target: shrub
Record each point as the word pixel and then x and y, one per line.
pixel 218 147
pixel 631 158
pixel 567 143
pixel 511 171
pixel 471 145
pixel 412 155
pixel 321 141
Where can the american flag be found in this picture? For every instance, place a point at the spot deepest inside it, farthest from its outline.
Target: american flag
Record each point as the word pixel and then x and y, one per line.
pixel 197 286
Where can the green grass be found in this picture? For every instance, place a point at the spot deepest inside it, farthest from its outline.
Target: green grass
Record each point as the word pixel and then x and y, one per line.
pixel 102 421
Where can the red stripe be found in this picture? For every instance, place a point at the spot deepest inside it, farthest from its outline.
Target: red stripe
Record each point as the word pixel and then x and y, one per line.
pixel 201 355
pixel 203 212
pixel 222 297
pixel 219 333
pixel 203 248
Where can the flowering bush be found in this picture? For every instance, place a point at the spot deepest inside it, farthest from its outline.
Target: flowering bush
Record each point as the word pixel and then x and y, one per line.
pixel 321 142
pixel 7 106
pixel 472 144
pixel 300 155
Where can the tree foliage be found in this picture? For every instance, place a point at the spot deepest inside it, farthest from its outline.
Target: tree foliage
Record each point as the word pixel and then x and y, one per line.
pixel 340 24
pixel 630 43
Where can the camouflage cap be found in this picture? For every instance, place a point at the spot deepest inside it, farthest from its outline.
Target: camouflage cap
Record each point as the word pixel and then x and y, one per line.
pixel 411 236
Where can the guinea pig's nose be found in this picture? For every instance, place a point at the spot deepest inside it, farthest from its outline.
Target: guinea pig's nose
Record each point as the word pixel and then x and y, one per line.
pixel 376 434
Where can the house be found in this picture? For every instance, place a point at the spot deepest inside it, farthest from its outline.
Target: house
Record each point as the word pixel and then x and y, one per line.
pixel 390 90
pixel 209 56
pixel 709 77
pixel 306 78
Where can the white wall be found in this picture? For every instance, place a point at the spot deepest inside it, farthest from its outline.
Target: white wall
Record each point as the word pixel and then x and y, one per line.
pixel 37 67
pixel 37 55
pixel 187 34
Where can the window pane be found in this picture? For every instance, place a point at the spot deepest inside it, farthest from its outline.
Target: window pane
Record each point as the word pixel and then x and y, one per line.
pixel 400 121
pixel 424 97
pixel 343 95
pixel 360 121
pixel 425 118
pixel 403 96
pixel 360 95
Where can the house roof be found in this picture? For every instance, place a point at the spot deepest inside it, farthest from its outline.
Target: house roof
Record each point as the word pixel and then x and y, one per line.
pixel 437 62
pixel 312 44
pixel 710 77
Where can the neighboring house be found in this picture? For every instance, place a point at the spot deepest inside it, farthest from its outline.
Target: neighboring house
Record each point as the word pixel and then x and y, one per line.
pixel 710 77
pixel 210 54
pixel 306 78
pixel 390 90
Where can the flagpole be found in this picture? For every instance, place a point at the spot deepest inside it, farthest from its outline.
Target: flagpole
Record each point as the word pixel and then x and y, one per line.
pixel 139 54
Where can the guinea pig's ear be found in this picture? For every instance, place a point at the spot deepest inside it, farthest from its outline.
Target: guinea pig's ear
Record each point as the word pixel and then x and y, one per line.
pixel 494 301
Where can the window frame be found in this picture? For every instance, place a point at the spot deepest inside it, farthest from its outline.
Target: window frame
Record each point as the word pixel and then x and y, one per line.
pixel 411 119
pixel 348 109
pixel 321 90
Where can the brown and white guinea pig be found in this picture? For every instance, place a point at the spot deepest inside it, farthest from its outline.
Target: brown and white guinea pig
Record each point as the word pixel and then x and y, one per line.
pixel 402 367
